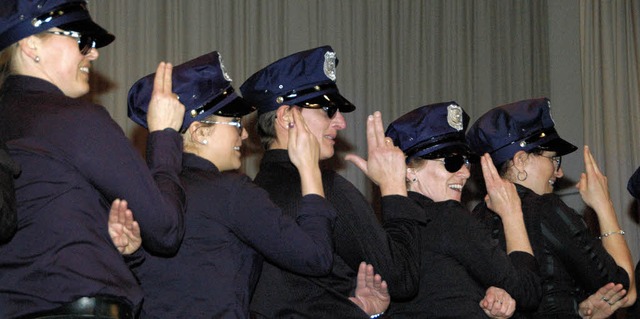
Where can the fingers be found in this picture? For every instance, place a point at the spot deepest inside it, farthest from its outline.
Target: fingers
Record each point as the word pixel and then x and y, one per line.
pixel 358 161
pixel 378 129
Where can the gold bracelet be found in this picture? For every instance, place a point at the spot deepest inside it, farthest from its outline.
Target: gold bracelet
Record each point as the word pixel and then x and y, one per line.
pixel 607 234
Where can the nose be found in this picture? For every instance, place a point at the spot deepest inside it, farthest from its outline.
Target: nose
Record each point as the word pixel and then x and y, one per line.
pixel 338 122
pixel 464 172
pixel 244 134
pixel 559 173
pixel 93 54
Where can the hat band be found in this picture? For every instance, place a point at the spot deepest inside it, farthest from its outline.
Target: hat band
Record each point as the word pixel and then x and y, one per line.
pixel 298 93
pixel 209 105
pixel 70 12
pixel 434 141
pixel 503 153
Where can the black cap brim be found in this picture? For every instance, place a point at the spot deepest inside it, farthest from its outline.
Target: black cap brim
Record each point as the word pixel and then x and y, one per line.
pixel 236 108
pixel 88 27
pixel 560 146
pixel 329 99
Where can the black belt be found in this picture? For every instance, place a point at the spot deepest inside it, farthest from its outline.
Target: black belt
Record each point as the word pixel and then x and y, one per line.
pixel 91 307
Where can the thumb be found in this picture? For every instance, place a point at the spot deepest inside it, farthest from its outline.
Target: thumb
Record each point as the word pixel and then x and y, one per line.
pixel 357 161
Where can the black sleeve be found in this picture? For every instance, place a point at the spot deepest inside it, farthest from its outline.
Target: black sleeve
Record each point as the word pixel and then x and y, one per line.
pixel 634 184
pixel 583 255
pixel 8 214
pixel 392 248
pixel 469 241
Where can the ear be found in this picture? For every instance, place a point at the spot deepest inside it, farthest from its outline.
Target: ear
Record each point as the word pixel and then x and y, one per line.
pixel 411 174
pixel 520 160
pixel 29 46
pixel 197 132
pixel 284 117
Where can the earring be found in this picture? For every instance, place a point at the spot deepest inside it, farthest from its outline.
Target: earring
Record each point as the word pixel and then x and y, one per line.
pixel 36 59
pixel 204 142
pixel 520 178
pixel 414 180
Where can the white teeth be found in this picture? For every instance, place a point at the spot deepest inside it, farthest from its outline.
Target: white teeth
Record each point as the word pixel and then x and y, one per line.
pixel 236 148
pixel 552 182
pixel 329 137
pixel 84 69
pixel 456 186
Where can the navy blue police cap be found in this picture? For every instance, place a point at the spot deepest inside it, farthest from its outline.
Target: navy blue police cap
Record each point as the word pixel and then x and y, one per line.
pixel 434 131
pixel 306 79
pixel 203 87
pixel 22 18
pixel 520 126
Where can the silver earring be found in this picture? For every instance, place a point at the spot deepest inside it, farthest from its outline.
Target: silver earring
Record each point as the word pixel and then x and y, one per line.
pixel 36 59
pixel 205 142
pixel 520 178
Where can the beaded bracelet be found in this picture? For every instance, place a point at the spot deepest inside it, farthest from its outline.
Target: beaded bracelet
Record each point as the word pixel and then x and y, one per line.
pixel 376 315
pixel 607 234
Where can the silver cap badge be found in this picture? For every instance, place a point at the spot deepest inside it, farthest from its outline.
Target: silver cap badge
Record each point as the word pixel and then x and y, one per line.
pixel 330 65
pixel 454 117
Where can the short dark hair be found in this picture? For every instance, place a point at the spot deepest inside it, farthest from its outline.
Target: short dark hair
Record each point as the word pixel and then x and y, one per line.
pixel 266 128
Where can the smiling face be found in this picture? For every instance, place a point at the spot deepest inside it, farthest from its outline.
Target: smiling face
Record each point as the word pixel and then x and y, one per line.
pixel 542 171
pixel 61 63
pixel 325 129
pixel 223 142
pixel 431 179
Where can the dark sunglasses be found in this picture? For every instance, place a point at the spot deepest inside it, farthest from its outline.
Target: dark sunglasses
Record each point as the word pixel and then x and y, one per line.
pixel 452 163
pixel 85 42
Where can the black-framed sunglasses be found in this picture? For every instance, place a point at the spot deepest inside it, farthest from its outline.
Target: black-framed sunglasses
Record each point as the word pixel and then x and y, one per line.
pixel 85 42
pixel 556 160
pixel 452 163
pixel 237 122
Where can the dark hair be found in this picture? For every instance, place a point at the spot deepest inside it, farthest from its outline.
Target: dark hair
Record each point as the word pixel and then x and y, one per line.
pixel 503 168
pixel 266 128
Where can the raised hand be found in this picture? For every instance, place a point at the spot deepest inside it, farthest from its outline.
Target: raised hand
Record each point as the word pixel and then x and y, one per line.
pixel 497 303
pixel 502 196
pixel 165 110
pixel 304 152
pixel 604 302
pixel 123 229
pixel 593 184
pixel 385 164
pixel 371 294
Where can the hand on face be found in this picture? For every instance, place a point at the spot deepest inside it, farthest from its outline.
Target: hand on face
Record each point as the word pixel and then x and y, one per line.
pixel 165 110
pixel 303 147
pixel 385 164
pixel 502 196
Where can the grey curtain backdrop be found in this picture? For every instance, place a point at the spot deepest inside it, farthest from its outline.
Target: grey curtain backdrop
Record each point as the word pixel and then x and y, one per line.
pixel 396 55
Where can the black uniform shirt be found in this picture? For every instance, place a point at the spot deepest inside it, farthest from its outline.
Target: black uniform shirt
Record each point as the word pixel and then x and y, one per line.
pixel 230 225
pixel 75 161
pixel 573 263
pixel 358 236
pixel 459 262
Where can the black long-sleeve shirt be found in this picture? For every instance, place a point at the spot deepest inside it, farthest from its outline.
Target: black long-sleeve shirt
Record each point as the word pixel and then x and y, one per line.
pixel 231 225
pixel 75 161
pixel 8 214
pixel 573 264
pixel 358 236
pixel 459 262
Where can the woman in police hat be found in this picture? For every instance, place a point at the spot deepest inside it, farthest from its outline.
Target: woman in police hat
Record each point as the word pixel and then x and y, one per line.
pixel 459 262
pixel 231 225
pixel 523 143
pixel 75 161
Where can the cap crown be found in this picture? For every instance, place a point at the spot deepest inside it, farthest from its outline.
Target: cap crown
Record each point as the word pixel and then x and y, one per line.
pixel 293 79
pixel 203 87
pixel 431 129
pixel 522 125
pixel 22 18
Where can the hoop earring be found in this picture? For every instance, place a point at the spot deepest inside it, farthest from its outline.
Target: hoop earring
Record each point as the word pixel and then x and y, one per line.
pixel 522 179
pixel 36 59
